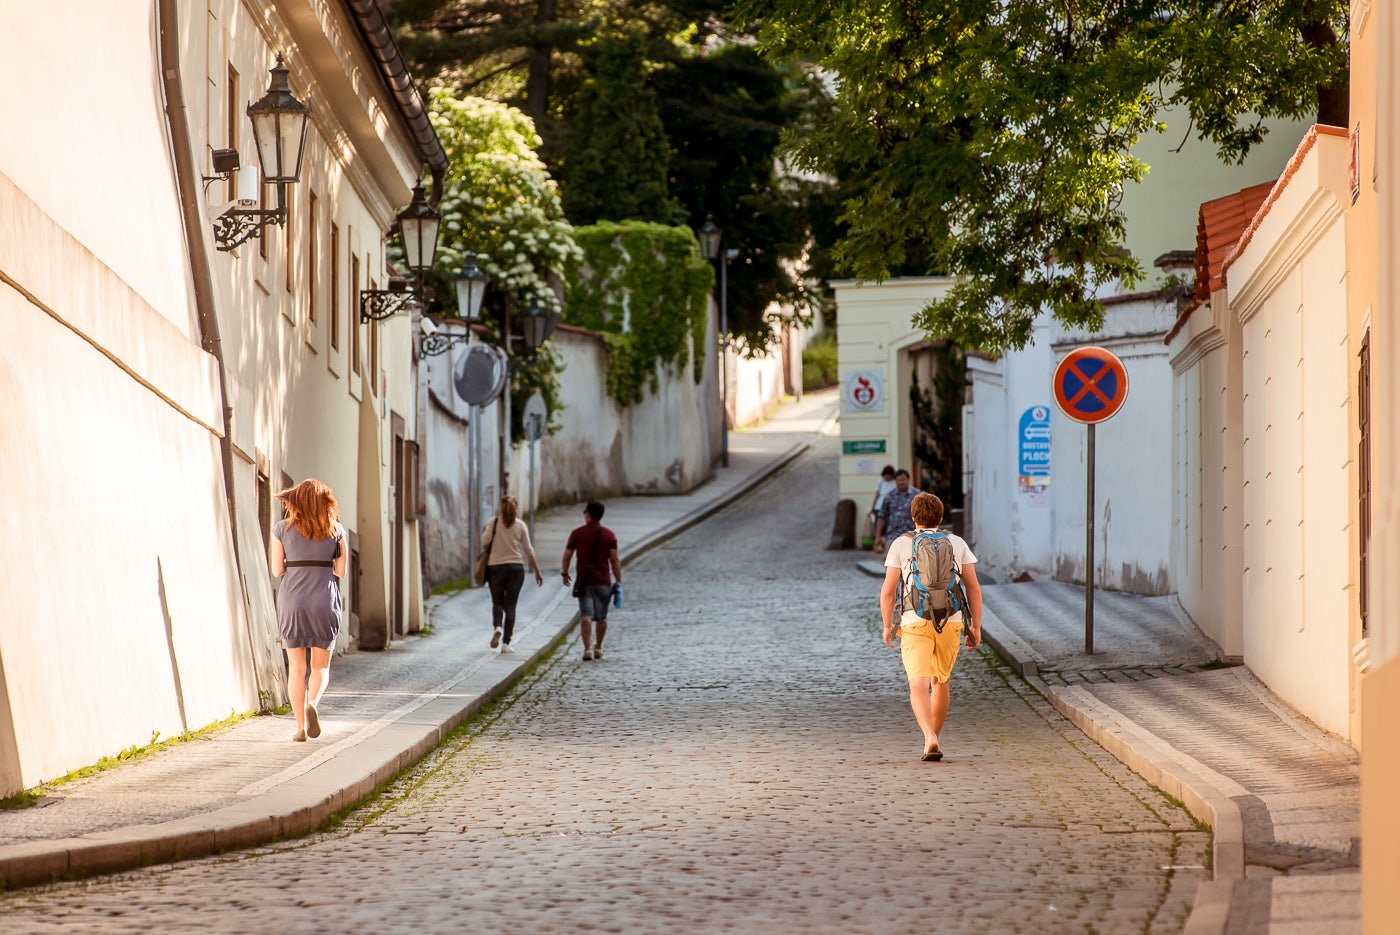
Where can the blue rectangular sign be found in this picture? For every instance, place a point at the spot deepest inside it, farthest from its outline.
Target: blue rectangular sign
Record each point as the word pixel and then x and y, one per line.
pixel 1033 442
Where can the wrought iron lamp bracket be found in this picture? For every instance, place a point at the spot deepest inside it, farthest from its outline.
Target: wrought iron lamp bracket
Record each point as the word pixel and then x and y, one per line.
pixel 379 304
pixel 236 227
pixel 431 345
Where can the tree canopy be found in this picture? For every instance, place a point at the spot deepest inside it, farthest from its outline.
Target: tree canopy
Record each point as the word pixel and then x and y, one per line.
pixel 991 142
pixel 649 111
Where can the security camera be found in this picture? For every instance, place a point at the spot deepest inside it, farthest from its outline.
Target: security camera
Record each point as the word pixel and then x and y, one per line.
pixel 428 325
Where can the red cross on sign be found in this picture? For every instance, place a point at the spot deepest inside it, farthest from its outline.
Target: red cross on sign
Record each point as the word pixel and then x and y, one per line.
pixel 1090 384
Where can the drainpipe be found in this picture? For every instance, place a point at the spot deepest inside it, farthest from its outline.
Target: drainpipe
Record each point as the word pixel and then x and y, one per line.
pixel 187 178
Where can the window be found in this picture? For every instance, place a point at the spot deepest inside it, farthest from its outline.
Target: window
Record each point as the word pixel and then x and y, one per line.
pixel 335 288
pixel 231 130
pixel 313 231
pixel 354 315
pixel 373 348
pixel 287 228
pixel 1363 475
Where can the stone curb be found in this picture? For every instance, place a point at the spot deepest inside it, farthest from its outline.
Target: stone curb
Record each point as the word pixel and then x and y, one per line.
pixel 1155 761
pixel 303 804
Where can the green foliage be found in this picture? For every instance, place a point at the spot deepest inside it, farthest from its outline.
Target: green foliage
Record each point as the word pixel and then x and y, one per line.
pixel 499 201
pixel 992 141
pixel 645 287
pixel 615 154
pixel 819 362
pixel 725 113
pixel 537 373
pixel 588 74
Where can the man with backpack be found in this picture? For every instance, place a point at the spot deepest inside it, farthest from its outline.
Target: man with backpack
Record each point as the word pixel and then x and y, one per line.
pixel 931 578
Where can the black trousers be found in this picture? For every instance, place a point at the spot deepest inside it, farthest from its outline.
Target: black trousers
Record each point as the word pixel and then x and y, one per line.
pixel 505 582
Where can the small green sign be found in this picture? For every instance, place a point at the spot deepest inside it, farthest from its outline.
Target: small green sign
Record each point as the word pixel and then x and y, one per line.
pixel 863 446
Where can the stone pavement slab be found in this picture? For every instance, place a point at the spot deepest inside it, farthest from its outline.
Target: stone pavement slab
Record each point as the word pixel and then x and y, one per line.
pixel 248 784
pixel 1281 794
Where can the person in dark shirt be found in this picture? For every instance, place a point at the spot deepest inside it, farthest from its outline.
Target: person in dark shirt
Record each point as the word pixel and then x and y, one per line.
pixel 598 566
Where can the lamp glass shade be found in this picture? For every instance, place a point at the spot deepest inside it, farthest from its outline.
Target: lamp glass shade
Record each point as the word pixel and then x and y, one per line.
pixel 534 324
pixel 708 236
pixel 418 225
pixel 471 282
pixel 279 129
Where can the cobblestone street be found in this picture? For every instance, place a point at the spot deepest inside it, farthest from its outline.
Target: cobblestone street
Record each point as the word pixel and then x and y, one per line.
pixel 742 760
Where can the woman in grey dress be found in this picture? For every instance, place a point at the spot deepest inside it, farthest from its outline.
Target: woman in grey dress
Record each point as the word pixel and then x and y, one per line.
pixel 308 547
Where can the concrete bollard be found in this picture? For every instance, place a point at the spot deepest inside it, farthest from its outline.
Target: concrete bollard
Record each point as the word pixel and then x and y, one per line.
pixel 843 534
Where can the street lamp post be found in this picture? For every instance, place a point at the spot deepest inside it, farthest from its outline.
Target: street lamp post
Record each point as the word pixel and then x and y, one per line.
pixel 709 236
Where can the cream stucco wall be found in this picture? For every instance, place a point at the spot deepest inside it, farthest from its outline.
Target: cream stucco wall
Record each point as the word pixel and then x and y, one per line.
pixel 1207 489
pixel 127 615
pixel 115 547
pixel 873 331
pixel 1287 285
pixel 305 404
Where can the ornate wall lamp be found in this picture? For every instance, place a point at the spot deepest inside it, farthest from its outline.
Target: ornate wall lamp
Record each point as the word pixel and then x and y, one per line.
pixel 279 134
pixel 470 282
pixel 417 224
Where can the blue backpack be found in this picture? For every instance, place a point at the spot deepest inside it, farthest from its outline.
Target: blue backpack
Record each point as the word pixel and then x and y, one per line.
pixel 933 585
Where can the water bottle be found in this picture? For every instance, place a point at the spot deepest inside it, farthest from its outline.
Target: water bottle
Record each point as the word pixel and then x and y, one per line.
pixel 617 593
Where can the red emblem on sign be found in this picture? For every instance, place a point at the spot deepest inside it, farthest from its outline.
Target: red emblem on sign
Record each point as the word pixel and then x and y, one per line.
pixel 1090 384
pixel 864 392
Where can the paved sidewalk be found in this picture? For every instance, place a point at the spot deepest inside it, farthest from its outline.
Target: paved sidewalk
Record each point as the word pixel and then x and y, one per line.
pixel 1281 794
pixel 248 784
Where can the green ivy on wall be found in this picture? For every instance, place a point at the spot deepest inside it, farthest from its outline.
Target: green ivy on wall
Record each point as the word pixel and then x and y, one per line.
pixel 645 287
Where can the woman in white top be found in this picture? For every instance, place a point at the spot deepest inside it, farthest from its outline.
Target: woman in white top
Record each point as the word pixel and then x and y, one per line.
pixel 508 544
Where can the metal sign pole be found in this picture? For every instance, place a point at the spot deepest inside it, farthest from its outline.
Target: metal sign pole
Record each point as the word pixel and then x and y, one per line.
pixel 531 525
pixel 1089 551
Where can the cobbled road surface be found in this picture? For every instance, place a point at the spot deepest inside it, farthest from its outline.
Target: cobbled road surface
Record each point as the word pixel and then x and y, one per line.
pixel 742 760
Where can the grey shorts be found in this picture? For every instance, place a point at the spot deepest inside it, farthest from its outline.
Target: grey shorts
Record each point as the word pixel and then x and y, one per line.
pixel 594 601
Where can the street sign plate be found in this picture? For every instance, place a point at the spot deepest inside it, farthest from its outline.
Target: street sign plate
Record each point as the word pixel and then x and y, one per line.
pixel 1090 384
pixel 535 417
pixel 863 446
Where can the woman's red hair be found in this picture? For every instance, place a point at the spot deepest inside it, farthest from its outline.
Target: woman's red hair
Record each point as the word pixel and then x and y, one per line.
pixel 311 507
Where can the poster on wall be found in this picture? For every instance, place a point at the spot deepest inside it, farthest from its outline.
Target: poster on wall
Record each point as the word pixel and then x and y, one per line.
pixel 865 391
pixel 1033 455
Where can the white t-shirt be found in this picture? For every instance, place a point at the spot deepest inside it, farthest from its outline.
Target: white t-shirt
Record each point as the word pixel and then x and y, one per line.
pixel 882 488
pixel 901 553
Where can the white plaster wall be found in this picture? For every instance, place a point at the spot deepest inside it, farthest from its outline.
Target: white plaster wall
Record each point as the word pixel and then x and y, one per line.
pixel 1206 530
pixel 1011 527
pixel 1133 464
pixel 1289 286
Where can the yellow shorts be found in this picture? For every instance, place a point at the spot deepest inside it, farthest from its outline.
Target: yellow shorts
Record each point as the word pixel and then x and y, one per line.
pixel 928 654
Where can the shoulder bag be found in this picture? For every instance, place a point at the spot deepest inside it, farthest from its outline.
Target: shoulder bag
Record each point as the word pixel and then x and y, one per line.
pixel 479 571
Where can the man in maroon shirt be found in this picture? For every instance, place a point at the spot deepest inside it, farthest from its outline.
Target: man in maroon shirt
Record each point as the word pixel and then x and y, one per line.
pixel 596 546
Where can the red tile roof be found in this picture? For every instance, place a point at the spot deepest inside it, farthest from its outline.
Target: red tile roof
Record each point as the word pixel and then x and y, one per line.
pixel 1219 226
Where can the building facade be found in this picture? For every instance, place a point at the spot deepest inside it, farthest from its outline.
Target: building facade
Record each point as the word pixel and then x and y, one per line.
pixel 160 388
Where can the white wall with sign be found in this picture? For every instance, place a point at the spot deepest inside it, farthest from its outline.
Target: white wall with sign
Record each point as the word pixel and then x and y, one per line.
pixel 874 334
pixel 1021 521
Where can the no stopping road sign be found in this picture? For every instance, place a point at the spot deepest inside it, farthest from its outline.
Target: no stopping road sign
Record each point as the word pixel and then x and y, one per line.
pixel 1090 384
